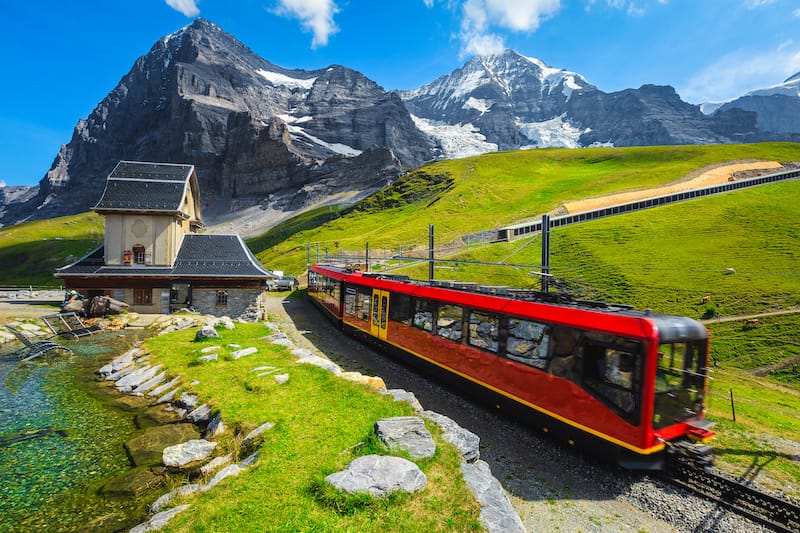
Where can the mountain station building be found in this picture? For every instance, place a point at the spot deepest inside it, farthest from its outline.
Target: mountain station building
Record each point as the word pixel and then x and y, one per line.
pixel 153 257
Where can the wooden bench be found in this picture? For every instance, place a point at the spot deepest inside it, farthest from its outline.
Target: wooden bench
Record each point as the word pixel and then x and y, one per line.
pixel 31 348
pixel 69 324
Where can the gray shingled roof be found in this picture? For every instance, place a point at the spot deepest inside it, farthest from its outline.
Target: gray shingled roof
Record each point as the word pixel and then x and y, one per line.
pixel 148 187
pixel 219 256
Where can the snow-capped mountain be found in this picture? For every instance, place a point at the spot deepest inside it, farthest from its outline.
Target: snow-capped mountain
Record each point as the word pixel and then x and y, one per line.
pixel 776 108
pixel 502 101
pixel 257 133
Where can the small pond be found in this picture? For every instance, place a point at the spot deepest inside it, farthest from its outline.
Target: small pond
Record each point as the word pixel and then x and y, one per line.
pixel 61 440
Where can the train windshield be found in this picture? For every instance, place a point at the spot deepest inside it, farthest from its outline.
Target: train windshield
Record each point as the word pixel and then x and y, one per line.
pixel 680 378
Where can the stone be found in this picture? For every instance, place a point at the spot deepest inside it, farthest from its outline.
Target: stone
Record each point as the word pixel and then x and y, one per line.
pixel 208 358
pixel 136 378
pixel 215 464
pixel 280 379
pixel 497 514
pixel 237 354
pixel 258 431
pixel 401 395
pixel 181 455
pixel 180 492
pixel 200 415
pixel 187 400
pixel 215 427
pixel 163 388
pixel 148 448
pixel 467 442
pixel 159 520
pixel 134 482
pixel 228 471
pixel 157 415
pixel 206 332
pixel 407 433
pixel 168 396
pixel 373 382
pixel 152 382
pixel 379 475
pixel 211 349
pixel 321 362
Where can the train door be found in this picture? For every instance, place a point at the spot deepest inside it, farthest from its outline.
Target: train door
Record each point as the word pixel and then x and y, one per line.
pixel 380 313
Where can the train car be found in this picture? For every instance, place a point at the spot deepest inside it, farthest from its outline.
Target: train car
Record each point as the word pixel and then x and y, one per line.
pixel 631 381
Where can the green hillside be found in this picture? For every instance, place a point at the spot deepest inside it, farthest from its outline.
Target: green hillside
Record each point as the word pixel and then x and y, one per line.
pixel 31 252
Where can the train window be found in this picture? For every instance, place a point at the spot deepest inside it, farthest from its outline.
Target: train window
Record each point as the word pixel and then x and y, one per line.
pixel 449 321
pixel 400 311
pixel 680 376
pixel 527 342
pixel 483 329
pixel 612 366
pixel 424 311
pixel 356 302
pixel 350 301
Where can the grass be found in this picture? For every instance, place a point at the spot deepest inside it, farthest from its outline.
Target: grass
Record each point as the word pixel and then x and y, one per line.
pixel 478 193
pixel 321 424
pixel 31 252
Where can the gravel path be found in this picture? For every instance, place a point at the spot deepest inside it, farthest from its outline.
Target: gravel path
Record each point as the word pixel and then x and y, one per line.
pixel 551 487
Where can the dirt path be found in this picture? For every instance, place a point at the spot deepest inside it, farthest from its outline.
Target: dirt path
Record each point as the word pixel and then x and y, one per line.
pixel 712 175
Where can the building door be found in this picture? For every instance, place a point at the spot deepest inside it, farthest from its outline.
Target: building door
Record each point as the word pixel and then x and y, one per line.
pixel 180 295
pixel 380 312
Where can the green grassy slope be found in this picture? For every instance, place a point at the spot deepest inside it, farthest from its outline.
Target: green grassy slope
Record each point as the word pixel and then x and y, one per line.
pixel 478 193
pixel 31 252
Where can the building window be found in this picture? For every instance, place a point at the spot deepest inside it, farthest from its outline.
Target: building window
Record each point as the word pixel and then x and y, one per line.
pixel 142 297
pixel 138 254
pixel 222 298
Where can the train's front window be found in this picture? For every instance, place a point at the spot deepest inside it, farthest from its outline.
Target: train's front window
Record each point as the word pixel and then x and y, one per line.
pixel 680 377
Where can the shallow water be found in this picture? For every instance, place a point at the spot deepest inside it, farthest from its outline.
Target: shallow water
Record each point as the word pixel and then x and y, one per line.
pixel 61 440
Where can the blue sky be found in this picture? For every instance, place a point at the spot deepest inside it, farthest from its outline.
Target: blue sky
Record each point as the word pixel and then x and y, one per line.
pixel 62 57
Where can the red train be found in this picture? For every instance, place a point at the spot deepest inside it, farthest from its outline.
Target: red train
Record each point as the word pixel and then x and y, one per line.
pixel 633 381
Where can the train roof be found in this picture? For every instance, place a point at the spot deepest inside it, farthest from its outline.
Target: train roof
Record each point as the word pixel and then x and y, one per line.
pixel 670 328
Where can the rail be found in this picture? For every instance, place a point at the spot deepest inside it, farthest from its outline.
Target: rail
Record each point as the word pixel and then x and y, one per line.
pixel 779 514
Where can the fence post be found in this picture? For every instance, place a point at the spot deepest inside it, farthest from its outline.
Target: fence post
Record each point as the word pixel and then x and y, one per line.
pixel 733 407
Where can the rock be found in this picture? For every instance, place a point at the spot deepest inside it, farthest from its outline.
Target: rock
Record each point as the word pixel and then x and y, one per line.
pixel 407 433
pixel 206 332
pixel 159 520
pixel 136 378
pixel 280 379
pixel 467 442
pixel 374 382
pixel 258 431
pixel 165 387
pixel 215 427
pixel 168 396
pixel 188 452
pixel 165 499
pixel 401 395
pixel 200 415
pixel 133 482
pixel 379 475
pixel 215 464
pixel 244 352
pixel 210 349
pixel 187 400
pixel 158 415
pixel 497 515
pixel 208 358
pixel 321 362
pixel 152 382
pixel 148 448
pixel 228 471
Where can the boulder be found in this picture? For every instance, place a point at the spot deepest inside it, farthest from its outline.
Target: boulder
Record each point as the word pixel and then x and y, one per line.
pixel 148 448
pixel 407 433
pixel 186 453
pixel 401 395
pixel 206 332
pixel 467 442
pixel 497 515
pixel 165 499
pixel 238 354
pixel 134 482
pixel 379 475
pixel 200 415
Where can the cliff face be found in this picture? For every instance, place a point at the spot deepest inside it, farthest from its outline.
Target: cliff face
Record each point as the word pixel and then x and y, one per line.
pixel 251 128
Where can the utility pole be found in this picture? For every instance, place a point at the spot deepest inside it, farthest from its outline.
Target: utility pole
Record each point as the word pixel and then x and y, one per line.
pixel 366 257
pixel 430 252
pixel 545 253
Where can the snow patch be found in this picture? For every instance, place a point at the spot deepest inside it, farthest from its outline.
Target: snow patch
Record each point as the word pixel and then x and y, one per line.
pixel 276 78
pixel 338 148
pixel 555 132
pixel 460 140
pixel 289 119
pixel 478 103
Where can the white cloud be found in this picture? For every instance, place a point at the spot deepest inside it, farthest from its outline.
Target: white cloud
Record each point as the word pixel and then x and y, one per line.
pixel 187 7
pixel 735 74
pixel 753 4
pixel 796 13
pixel 315 16
pixel 2 184
pixel 514 15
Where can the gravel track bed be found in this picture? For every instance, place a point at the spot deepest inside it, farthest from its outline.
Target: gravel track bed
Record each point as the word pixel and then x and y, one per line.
pixel 552 487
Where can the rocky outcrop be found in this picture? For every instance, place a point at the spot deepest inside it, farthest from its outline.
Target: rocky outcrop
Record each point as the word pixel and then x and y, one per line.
pixel 251 128
pixel 379 475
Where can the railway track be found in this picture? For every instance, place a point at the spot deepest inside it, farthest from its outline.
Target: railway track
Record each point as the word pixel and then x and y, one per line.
pixel 776 513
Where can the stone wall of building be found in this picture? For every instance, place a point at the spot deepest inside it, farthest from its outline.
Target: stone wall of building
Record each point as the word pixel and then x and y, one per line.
pixel 207 301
